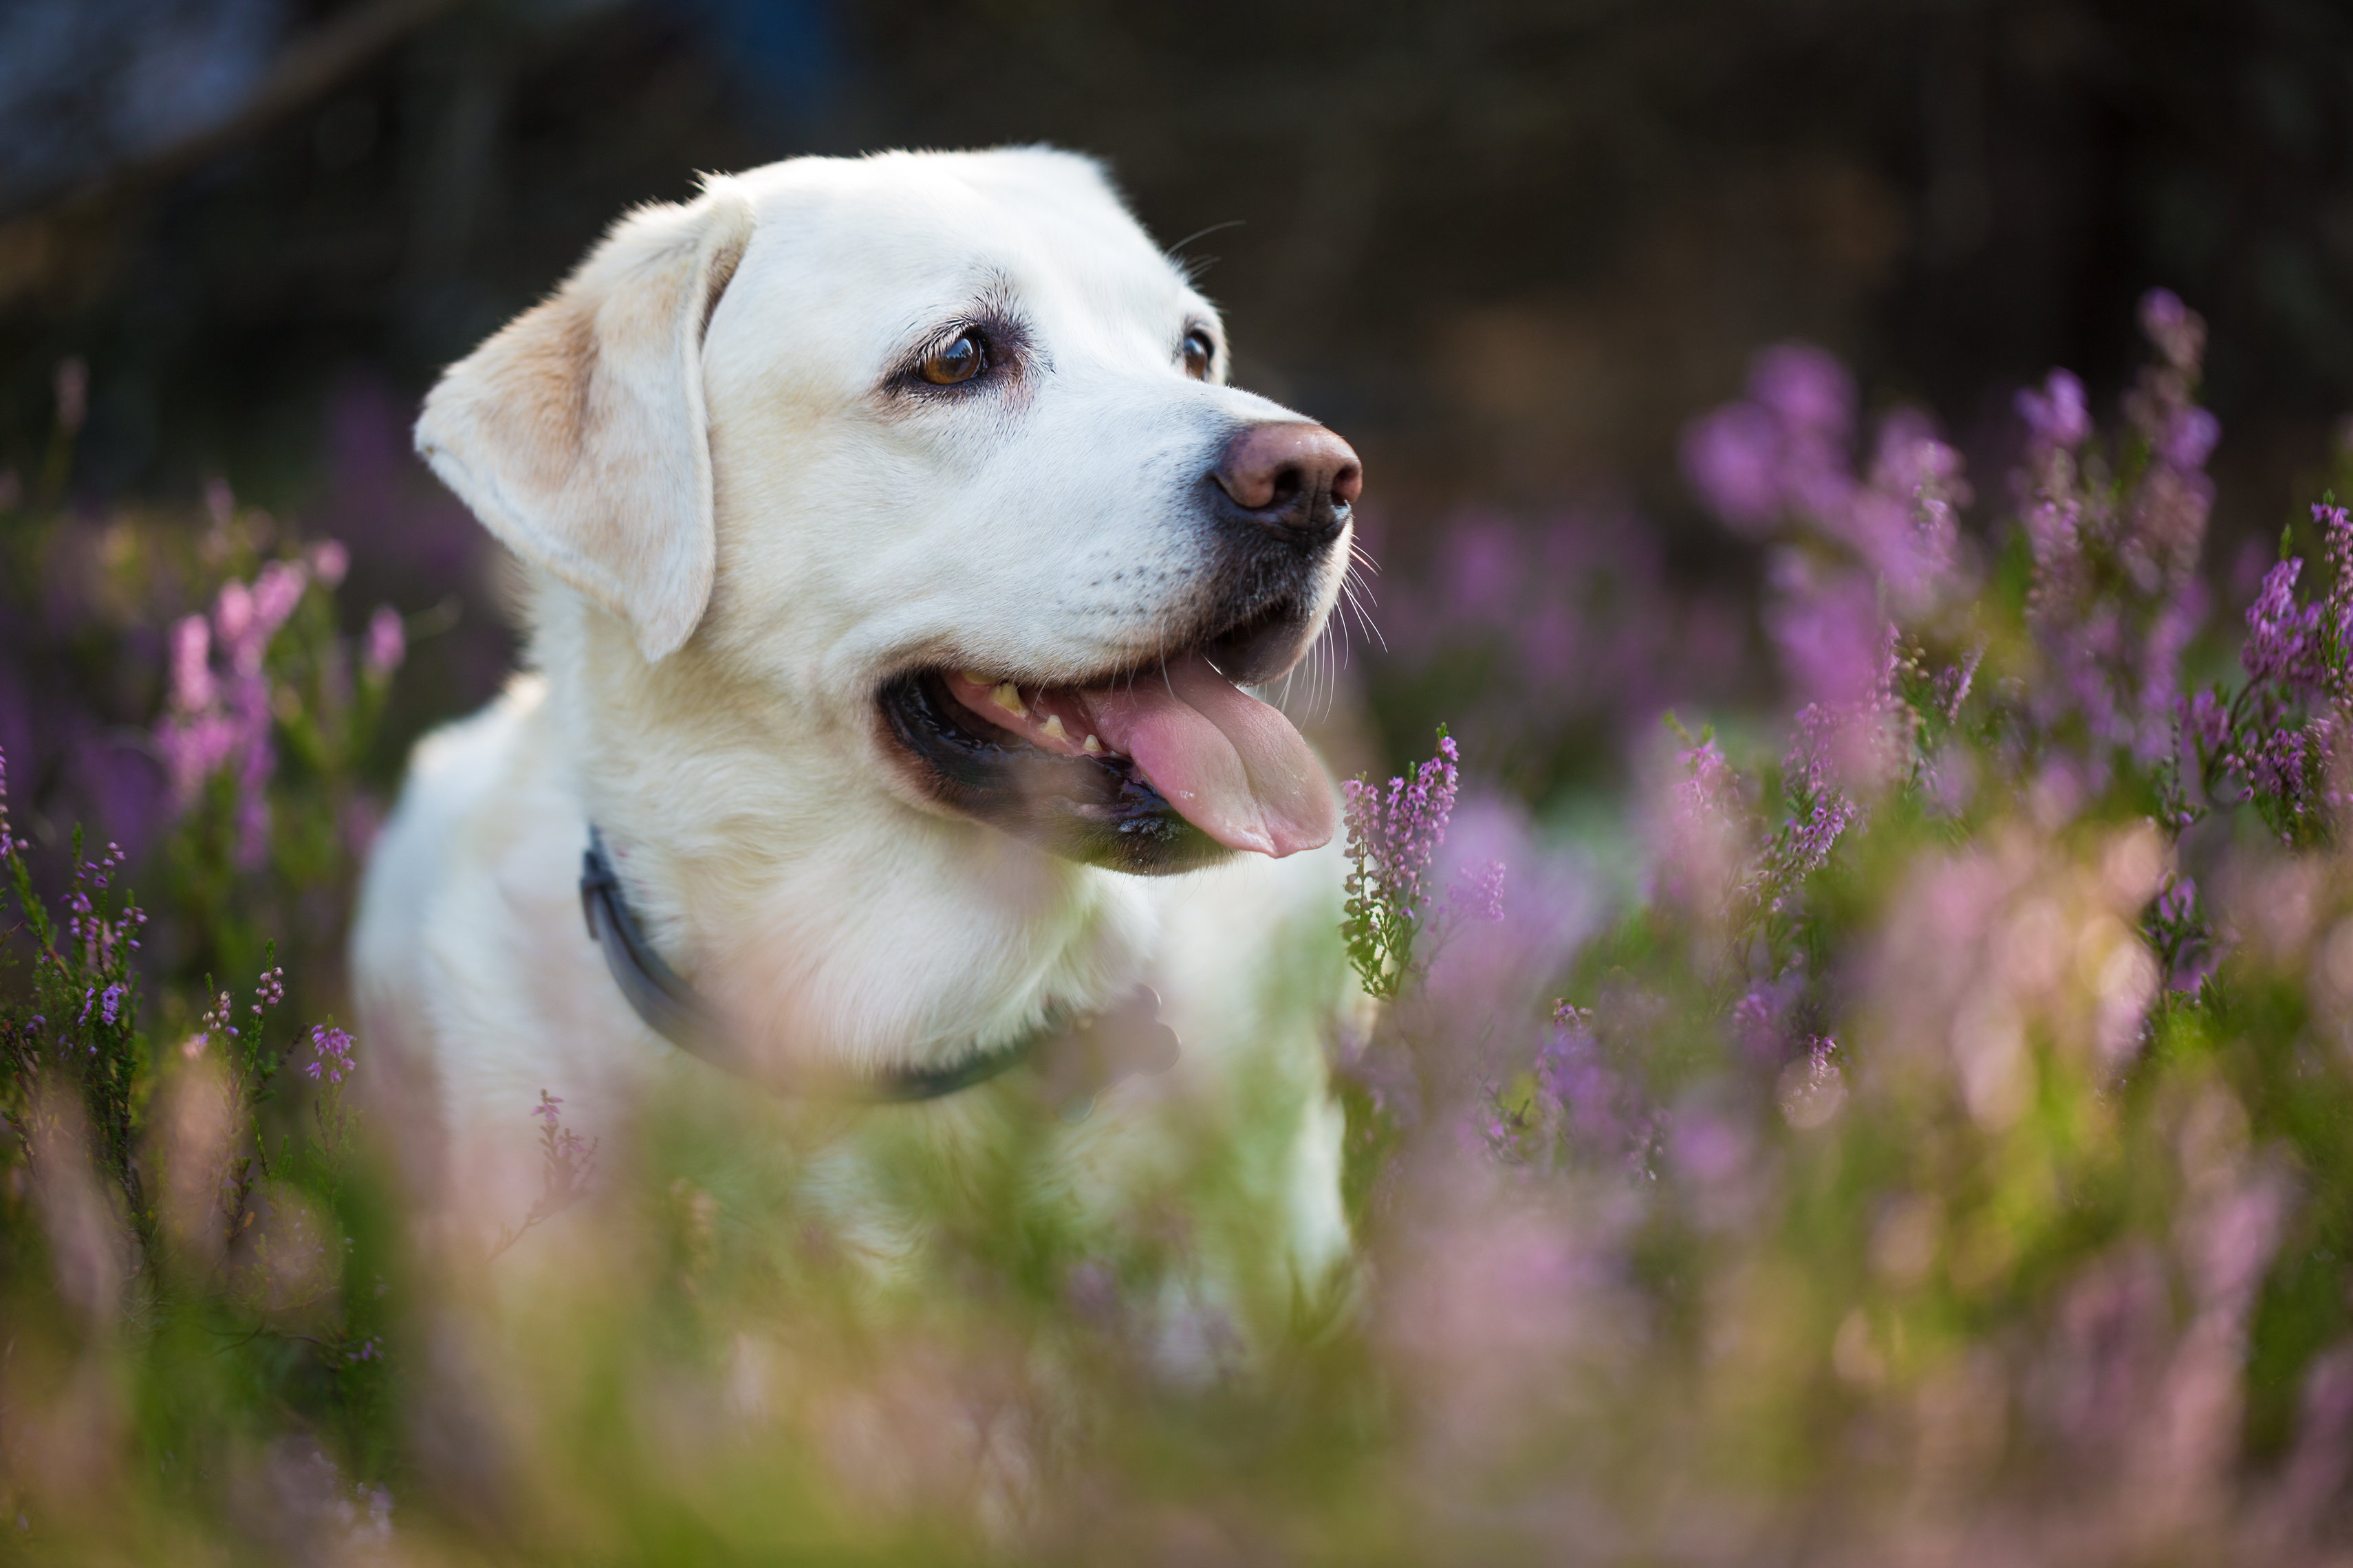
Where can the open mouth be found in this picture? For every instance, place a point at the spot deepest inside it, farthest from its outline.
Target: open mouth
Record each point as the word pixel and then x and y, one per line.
pixel 1148 769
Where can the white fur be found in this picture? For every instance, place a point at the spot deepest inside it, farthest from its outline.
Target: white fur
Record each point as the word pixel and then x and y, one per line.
pixel 732 544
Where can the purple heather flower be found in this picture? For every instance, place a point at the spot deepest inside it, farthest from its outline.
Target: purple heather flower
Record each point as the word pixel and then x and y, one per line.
pixel 2207 723
pixel 1813 835
pixel 549 1109
pixel 1783 455
pixel 2177 902
pixel 1807 390
pixel 220 719
pixel 2178 333
pixel 276 589
pixel 1477 892
pixel 329 561
pixel 1759 1021
pixel 2190 437
pixel 1732 458
pixel 2279 644
pixel 1709 793
pixel 2115 596
pixel 2276 768
pixel 387 644
pixel 1827 630
pixel 1395 836
pixel 2058 415
pixel 193 687
pixel 192 750
pixel 331 1055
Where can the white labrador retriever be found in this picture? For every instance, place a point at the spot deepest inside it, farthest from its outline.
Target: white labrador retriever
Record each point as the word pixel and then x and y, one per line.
pixel 897 556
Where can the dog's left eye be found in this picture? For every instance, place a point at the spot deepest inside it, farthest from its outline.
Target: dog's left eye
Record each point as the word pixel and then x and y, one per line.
pixel 961 359
pixel 1198 351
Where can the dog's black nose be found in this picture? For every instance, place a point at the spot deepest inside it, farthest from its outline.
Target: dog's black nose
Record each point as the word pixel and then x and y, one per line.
pixel 1291 475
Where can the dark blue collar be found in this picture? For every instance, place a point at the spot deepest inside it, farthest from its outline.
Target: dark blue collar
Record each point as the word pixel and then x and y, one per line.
pixel 1077 1060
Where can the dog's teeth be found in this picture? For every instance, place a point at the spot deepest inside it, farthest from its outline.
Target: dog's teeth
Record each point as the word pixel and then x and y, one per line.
pixel 1054 727
pixel 974 678
pixel 1092 746
pixel 1007 697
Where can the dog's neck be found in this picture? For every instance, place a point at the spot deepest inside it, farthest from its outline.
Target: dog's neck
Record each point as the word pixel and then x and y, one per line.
pixel 819 913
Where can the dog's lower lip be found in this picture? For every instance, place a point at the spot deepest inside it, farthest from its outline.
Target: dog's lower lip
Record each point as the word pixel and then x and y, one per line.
pixel 1074 793
pixel 1096 809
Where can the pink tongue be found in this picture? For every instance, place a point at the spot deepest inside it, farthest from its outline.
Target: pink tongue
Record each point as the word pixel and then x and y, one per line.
pixel 1233 766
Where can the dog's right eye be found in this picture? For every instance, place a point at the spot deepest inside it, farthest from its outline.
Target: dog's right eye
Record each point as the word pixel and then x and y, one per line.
pixel 960 359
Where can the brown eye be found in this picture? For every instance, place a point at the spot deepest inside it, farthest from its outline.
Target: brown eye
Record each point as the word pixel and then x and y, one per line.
pixel 961 360
pixel 1198 351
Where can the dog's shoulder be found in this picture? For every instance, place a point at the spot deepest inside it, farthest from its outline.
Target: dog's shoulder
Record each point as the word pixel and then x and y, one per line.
pixel 484 842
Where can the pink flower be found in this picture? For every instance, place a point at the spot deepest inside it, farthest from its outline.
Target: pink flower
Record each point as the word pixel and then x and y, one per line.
pixel 329 561
pixel 387 645
pixel 276 590
pixel 233 615
pixel 193 687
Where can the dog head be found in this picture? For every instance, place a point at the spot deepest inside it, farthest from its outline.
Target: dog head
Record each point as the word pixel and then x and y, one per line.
pixel 937 450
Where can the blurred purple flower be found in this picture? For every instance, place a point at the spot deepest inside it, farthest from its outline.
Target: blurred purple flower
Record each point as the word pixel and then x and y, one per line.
pixel 1805 389
pixel 1732 458
pixel 2207 723
pixel 193 689
pixel 1827 630
pixel 2115 596
pixel 2189 438
pixel 329 561
pixel 386 644
pixel 1759 1021
pixel 1566 619
pixel 1858 551
pixel 2058 415
pixel 2178 331
pixel 1601 1114
pixel 1477 894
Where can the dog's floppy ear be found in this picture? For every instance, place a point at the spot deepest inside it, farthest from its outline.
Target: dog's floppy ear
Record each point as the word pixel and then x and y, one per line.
pixel 578 434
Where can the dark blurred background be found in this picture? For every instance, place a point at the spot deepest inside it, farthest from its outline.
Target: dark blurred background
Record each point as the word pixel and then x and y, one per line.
pixel 1507 248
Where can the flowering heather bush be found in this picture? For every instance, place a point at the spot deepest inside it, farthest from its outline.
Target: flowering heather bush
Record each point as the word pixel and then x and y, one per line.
pixel 151 1183
pixel 1549 640
pixel 184 676
pixel 1392 896
pixel 1941 1150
